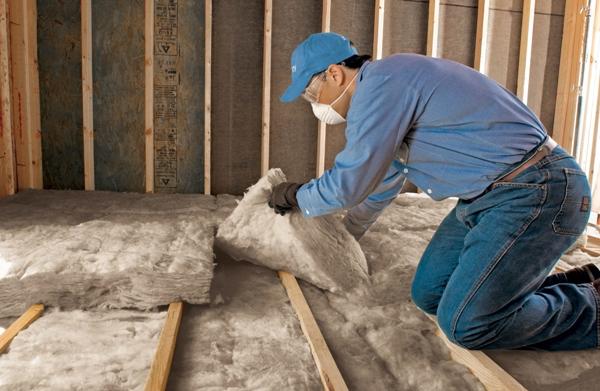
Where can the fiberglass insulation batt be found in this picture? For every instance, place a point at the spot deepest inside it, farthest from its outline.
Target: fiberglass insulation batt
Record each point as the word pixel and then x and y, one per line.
pixel 82 350
pixel 319 250
pixel 78 249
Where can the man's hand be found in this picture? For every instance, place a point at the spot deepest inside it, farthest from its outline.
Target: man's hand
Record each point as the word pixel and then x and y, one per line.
pixel 283 198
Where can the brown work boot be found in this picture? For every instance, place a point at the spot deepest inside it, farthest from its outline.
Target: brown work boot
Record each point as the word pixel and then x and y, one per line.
pixel 578 275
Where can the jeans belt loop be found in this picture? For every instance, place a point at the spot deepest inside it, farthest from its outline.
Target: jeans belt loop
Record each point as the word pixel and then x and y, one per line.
pixel 543 150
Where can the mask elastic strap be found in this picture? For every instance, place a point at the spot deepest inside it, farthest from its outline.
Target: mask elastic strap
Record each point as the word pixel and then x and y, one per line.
pixel 345 89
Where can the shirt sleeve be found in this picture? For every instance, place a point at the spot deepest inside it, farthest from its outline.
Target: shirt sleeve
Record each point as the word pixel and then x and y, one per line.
pixel 380 115
pixel 360 218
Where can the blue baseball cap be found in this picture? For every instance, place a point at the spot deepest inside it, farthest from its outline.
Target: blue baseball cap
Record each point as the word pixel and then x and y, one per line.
pixel 314 55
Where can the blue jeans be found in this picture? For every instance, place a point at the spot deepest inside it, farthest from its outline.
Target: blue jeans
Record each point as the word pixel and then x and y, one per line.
pixel 482 271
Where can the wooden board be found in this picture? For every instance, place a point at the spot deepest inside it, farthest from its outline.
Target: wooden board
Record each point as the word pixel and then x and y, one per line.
pixel 8 173
pixel 163 358
pixel 266 88
pixel 207 93
pixel 378 26
pixel 61 101
pixel 433 28
pixel 34 312
pixel 330 375
pixel 489 373
pixel 569 76
pixel 26 93
pixel 149 95
pixel 481 39
pixel 525 49
pixel 322 126
pixel 87 88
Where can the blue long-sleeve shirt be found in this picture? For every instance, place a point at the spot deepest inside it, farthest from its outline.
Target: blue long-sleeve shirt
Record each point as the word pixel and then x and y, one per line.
pixel 462 130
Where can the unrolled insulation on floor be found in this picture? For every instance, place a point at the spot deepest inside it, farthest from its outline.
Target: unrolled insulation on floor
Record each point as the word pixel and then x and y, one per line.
pixel 82 350
pixel 319 250
pixel 78 249
pixel 248 339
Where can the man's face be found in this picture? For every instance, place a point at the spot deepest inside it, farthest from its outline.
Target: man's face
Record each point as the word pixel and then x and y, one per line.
pixel 329 85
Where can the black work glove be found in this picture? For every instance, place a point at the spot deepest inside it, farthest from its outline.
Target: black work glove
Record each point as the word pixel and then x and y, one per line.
pixel 283 197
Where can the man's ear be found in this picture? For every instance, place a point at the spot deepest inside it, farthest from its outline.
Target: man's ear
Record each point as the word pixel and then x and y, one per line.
pixel 336 74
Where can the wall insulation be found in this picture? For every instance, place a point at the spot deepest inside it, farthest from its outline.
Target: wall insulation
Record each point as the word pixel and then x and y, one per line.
pixel 237 77
pixel 59 59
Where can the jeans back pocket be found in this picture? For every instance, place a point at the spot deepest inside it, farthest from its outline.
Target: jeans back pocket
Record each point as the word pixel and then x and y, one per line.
pixel 575 208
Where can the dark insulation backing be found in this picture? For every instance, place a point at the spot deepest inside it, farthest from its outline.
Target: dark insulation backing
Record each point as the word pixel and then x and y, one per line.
pixel 294 129
pixel 237 50
pixel 354 19
pixel 179 92
pixel 118 72
pixel 59 58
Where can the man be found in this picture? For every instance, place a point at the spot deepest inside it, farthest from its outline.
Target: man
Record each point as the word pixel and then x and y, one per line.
pixel 522 199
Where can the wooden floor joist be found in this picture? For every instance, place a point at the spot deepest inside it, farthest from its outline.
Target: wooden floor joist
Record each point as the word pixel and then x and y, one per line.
pixel 163 358
pixel 489 373
pixel 330 374
pixel 34 312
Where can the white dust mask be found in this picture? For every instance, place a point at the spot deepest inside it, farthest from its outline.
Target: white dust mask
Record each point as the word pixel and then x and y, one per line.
pixel 326 113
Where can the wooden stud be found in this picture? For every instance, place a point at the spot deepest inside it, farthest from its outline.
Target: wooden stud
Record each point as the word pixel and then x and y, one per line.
pixel 8 166
pixel 330 374
pixel 207 92
pixel 585 152
pixel 266 103
pixel 489 373
pixel 322 132
pixel 569 73
pixel 481 44
pixel 433 28
pixel 163 358
pixel 34 312
pixel 25 93
pixel 378 29
pixel 149 92
pixel 525 50
pixel 87 86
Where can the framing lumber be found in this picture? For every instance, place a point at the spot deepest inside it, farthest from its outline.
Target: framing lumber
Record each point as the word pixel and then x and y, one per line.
pixel 525 50
pixel 163 358
pixel 481 44
pixel 87 85
pixel 489 373
pixel 8 166
pixel 25 93
pixel 322 132
pixel 569 73
pixel 585 150
pixel 266 102
pixel 149 92
pixel 207 92
pixel 378 29
pixel 433 28
pixel 34 312
pixel 330 374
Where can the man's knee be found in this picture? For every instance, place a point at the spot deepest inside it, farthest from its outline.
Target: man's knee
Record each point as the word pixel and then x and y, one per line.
pixel 465 331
